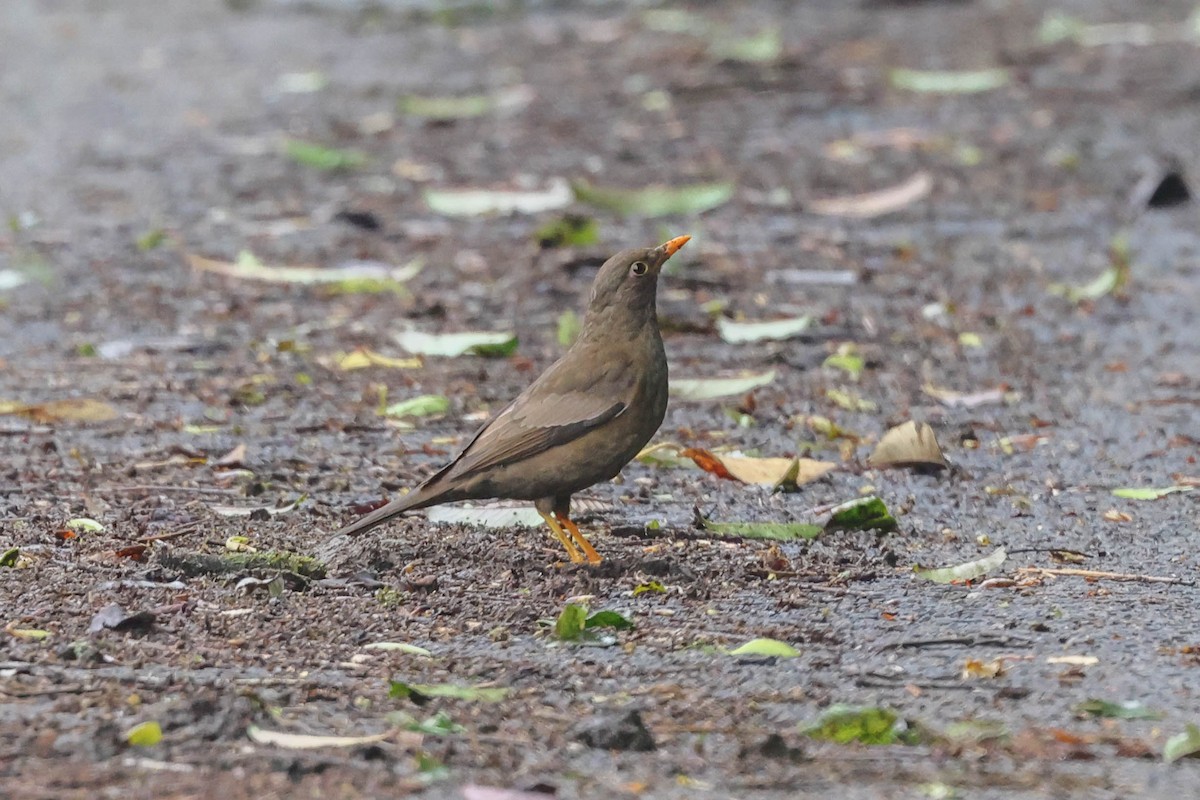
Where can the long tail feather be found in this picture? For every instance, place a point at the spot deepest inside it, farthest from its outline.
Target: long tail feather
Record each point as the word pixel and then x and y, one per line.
pixel 418 498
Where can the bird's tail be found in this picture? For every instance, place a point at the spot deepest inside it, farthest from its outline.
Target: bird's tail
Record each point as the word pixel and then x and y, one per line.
pixel 420 497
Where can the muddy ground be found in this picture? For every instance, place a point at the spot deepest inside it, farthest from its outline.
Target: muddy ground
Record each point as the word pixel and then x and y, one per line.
pixel 134 119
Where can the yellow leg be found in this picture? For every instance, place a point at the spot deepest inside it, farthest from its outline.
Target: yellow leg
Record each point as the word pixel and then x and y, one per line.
pixel 592 556
pixel 572 553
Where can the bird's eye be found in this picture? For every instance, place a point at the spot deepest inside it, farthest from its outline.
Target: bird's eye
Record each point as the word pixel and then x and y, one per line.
pixel 639 268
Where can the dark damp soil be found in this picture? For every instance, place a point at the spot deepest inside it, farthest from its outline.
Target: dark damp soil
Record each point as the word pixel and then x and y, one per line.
pixel 141 117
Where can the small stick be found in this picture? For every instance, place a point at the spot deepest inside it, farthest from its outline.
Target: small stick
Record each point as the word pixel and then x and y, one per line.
pixel 1115 576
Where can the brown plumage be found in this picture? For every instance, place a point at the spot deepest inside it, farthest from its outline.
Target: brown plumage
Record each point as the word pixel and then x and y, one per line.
pixel 576 425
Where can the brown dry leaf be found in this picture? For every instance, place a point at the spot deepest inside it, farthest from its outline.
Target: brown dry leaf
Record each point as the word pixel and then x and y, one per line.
pixel 974 668
pixel 955 399
pixel 81 409
pixel 234 458
pixel 911 444
pixel 760 471
pixel 875 204
pixel 1113 515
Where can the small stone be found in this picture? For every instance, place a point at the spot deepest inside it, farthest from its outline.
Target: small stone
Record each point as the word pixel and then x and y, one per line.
pixel 616 732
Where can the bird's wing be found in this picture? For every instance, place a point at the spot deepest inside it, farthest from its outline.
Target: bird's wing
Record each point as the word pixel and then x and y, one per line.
pixel 559 407
pixel 524 430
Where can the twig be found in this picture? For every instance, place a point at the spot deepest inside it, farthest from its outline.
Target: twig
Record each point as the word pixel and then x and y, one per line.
pixel 51 692
pixel 182 530
pixel 1112 576
pixel 154 487
pixel 983 640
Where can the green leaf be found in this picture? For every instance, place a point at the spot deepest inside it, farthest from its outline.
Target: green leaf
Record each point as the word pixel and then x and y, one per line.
pixel 479 202
pixel 608 619
pixel 863 514
pixel 151 239
pixel 424 405
pixel 774 330
pixel 949 82
pixel 1182 744
pixel 420 692
pixel 247 266
pixel 481 343
pixel 323 158
pixel 568 328
pixel 656 201
pixel 445 109
pixel 712 388
pixel 31 634
pixel 850 363
pixel 1131 709
pixel 968 571
pixel 440 724
pixel 84 525
pixel 865 724
pixel 649 587
pixel 571 230
pixel 10 557
pixel 775 531
pixel 765 648
pixel 570 623
pixel 1149 494
pixel 761 48
pixel 145 734
pixel 399 647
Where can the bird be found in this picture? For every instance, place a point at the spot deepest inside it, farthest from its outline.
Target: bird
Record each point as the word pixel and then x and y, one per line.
pixel 579 422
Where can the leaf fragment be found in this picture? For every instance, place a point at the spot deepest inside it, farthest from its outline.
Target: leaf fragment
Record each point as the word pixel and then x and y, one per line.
pixel 1182 744
pixel 767 648
pixel 655 201
pixel 81 409
pixel 967 571
pixel 570 623
pixel 869 205
pixel 144 734
pixel 571 230
pixel 445 109
pixel 712 388
pixel 861 514
pixel 774 531
pixel 949 81
pixel 399 647
pixel 420 692
pixel 911 444
pixel 774 472
pixel 1136 493
pixel 300 741
pixel 324 158
pixel 247 266
pixel 479 202
pixel 481 343
pixel 84 525
pixel 774 330
pixel 864 724
pixel 1129 709
pixel 364 357
pixel 425 405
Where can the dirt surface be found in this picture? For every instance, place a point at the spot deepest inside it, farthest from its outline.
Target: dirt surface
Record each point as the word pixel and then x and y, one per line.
pixel 123 121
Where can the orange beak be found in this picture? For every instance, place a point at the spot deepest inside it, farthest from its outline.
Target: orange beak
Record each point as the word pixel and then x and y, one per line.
pixel 670 247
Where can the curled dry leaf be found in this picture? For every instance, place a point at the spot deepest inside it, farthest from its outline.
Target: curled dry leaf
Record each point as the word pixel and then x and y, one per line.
pixel 911 444
pixel 248 267
pixel 781 472
pixel 875 204
pixel 968 571
pixel 298 741
pixel 713 388
pixel 75 410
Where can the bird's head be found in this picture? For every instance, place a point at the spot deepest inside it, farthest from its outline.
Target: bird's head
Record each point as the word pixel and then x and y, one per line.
pixel 628 282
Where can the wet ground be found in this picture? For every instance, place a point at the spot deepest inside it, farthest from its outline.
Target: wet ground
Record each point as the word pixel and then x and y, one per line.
pixel 130 121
